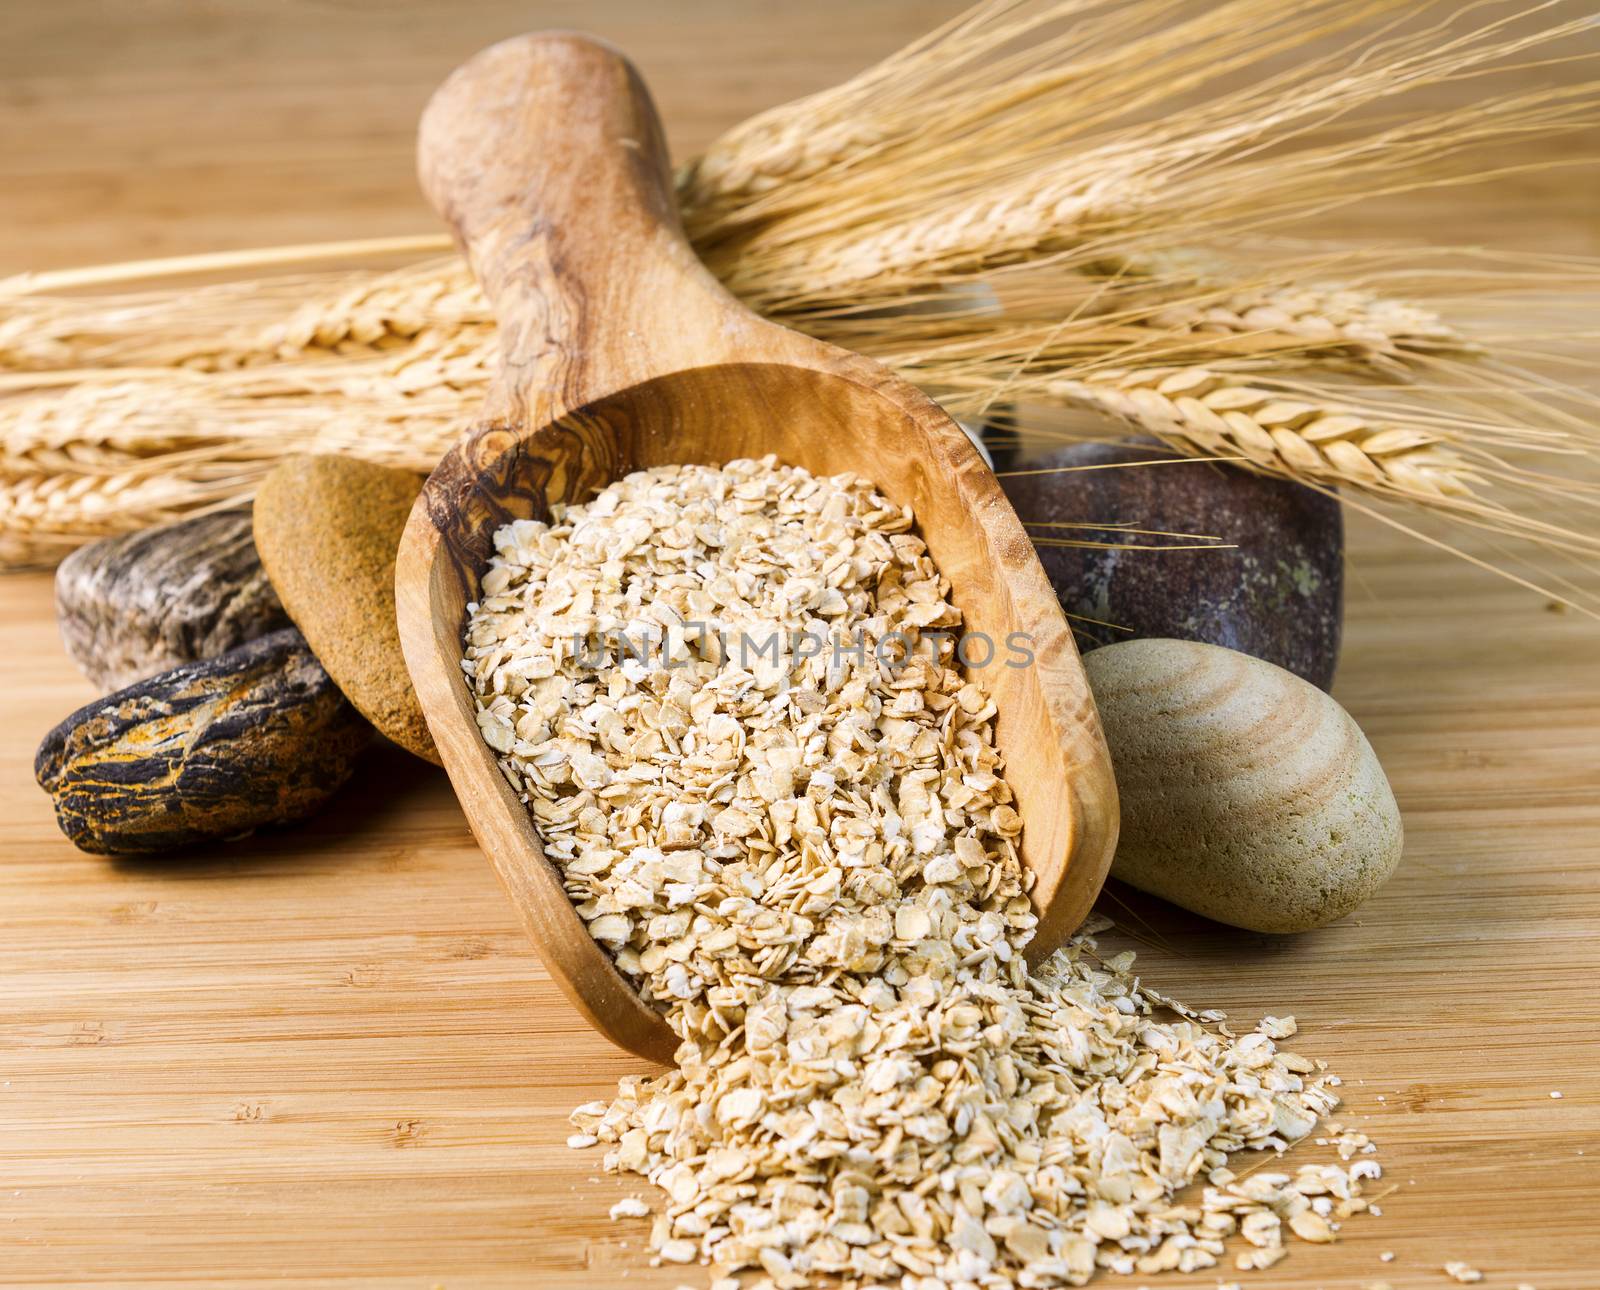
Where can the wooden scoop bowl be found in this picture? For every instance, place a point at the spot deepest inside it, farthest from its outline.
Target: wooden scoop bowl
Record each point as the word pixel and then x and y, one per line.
pixel 620 351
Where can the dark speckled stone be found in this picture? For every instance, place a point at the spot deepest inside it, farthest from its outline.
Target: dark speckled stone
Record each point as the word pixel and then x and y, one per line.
pixel 1279 595
pixel 256 736
pixel 135 605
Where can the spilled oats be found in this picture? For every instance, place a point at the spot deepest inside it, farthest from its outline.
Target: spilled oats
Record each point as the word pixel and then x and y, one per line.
pixel 806 857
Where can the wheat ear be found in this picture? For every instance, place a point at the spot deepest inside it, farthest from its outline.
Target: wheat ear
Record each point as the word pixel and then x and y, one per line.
pixel 1046 174
pixel 1011 126
pixel 1225 415
pixel 1396 455
pixel 1387 333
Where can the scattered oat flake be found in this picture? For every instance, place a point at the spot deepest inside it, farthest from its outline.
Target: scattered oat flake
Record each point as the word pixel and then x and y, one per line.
pixel 1462 1272
pixel 578 1141
pixel 676 1251
pixel 1308 1225
pixel 629 1207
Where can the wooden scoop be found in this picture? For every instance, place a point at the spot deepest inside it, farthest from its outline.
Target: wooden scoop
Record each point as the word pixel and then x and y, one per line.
pixel 620 351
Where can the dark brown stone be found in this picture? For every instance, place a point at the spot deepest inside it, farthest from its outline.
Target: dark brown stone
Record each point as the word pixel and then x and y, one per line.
pixel 132 606
pixel 1278 595
pixel 256 736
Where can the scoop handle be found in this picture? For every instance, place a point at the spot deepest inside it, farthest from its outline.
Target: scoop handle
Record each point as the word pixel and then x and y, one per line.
pixel 546 156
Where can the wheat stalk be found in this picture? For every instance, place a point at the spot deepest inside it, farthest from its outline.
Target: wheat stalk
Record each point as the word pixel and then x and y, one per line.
pixel 1389 334
pixel 1083 62
pixel 1060 319
pixel 770 153
pixel 358 316
pixel 44 517
pixel 391 310
pixel 1419 456
pixel 1136 192
pixel 376 393
pixel 1040 176
pixel 1224 415
pixel 106 458
pixel 341 315
pixel 1019 207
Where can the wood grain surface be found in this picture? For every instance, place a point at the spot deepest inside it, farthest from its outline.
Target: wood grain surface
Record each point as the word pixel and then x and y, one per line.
pixel 328 1057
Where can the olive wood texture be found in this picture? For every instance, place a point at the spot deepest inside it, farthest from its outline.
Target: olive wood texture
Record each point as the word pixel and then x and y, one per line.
pixel 619 352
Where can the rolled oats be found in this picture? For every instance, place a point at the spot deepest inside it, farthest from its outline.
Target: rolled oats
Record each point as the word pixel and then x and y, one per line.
pixel 730 699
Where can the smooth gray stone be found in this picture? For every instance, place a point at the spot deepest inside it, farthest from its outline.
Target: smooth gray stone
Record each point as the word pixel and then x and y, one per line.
pixel 1247 794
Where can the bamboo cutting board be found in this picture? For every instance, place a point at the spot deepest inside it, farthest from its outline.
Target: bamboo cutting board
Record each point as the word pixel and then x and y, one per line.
pixel 327 1057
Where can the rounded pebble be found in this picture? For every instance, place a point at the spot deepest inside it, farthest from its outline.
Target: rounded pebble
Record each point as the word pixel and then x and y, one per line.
pixel 1248 795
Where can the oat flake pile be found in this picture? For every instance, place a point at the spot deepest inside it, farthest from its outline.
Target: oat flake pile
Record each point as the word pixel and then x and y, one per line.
pixel 809 864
